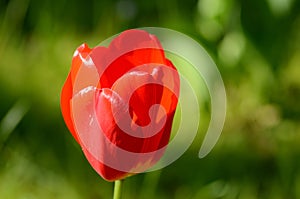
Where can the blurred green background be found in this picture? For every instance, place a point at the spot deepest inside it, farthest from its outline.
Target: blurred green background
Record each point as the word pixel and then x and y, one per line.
pixel 256 45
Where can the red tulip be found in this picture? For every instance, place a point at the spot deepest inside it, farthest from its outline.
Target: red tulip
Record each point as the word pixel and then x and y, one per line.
pixel 119 102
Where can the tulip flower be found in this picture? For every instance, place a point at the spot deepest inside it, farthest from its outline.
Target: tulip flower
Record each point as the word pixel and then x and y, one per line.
pixel 119 101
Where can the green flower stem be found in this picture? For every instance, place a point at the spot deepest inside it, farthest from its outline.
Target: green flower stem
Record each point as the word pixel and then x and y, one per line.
pixel 118 189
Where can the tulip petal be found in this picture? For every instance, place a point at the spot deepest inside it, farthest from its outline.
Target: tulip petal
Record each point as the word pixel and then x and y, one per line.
pixel 101 148
pixel 130 49
pixel 67 90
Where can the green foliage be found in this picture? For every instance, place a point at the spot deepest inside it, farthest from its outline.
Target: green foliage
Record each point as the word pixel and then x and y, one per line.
pixel 256 47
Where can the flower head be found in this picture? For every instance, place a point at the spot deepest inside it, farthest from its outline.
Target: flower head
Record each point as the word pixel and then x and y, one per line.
pixel 119 102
